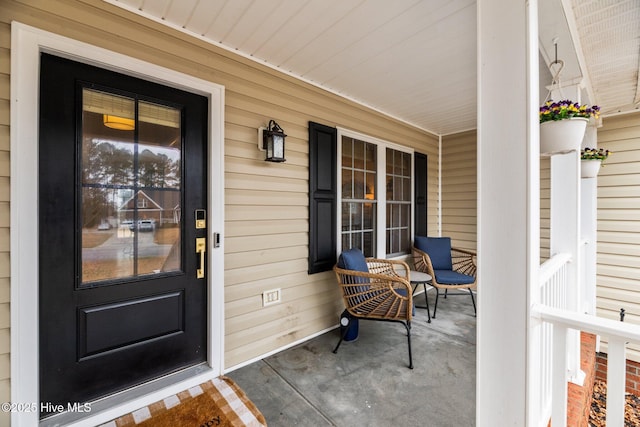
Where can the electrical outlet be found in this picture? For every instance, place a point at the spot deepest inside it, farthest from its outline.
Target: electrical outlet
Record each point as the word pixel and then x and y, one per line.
pixel 271 297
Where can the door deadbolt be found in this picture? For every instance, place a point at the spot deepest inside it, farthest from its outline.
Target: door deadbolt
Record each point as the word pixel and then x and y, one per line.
pixel 201 218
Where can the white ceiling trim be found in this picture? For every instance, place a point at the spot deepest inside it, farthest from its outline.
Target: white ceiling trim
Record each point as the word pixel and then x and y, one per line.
pixel 263 62
pixel 413 61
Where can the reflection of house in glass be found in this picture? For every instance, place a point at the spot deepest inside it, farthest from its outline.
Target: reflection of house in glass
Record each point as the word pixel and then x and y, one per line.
pixel 161 206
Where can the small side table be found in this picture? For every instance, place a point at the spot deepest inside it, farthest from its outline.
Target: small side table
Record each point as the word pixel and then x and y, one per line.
pixel 418 278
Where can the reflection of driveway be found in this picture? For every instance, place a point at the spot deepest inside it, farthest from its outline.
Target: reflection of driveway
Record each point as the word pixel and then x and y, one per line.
pixel 120 245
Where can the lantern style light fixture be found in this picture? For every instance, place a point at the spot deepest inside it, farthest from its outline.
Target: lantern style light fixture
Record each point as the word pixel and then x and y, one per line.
pixel 273 142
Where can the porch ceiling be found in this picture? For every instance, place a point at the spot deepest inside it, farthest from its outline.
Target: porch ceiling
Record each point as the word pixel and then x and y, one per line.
pixel 414 60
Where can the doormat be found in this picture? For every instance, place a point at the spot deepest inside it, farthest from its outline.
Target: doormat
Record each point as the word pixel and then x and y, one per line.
pixel 219 402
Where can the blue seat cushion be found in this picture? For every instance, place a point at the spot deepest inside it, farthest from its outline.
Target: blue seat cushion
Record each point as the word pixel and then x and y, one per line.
pixel 438 249
pixel 449 277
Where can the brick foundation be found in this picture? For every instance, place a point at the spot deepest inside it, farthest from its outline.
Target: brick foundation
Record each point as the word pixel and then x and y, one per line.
pixel 632 371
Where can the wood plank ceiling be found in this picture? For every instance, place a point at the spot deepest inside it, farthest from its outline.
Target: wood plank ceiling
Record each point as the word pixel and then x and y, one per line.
pixel 413 59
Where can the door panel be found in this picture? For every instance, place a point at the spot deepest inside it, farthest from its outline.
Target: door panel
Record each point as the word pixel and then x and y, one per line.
pixel 115 326
pixel 122 171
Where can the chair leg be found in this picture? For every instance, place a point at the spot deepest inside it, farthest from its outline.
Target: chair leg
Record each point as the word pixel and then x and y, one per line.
pixel 475 313
pixel 473 301
pixel 426 302
pixel 342 336
pixel 435 307
pixel 408 326
pixel 335 350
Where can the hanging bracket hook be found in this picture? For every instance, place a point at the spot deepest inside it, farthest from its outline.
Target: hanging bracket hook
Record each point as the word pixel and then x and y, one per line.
pixel 555 76
pixel 560 63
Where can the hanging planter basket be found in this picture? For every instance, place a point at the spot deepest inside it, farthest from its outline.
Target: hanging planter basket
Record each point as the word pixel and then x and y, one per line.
pixel 590 168
pixel 562 136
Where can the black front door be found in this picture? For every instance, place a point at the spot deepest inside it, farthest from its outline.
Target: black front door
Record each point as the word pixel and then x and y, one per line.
pixel 122 179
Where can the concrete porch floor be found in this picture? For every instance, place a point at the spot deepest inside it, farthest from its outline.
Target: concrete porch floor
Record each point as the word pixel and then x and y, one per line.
pixel 368 382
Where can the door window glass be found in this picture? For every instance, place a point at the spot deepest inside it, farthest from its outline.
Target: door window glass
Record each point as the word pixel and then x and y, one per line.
pixel 131 185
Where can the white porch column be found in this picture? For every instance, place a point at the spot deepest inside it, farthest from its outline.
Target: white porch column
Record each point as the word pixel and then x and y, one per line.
pixel 508 209
pixel 589 227
pixel 565 238
pixel 589 224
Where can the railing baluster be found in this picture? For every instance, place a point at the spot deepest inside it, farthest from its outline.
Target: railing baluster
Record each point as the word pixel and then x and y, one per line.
pixel 559 378
pixel 616 367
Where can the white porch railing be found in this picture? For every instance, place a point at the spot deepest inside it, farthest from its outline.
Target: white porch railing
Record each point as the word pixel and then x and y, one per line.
pixel 618 335
pixel 553 293
pixel 553 281
pixel 557 322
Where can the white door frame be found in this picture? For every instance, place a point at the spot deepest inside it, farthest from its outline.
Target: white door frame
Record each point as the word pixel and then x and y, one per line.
pixel 27 43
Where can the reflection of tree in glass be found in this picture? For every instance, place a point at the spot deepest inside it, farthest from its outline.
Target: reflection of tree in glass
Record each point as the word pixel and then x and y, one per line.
pixel 95 206
pixel 157 170
pixel 104 166
pixel 108 164
pixel 108 169
pixel 104 163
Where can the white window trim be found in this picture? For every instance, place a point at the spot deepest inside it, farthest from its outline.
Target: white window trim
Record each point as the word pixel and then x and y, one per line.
pixel 27 43
pixel 381 203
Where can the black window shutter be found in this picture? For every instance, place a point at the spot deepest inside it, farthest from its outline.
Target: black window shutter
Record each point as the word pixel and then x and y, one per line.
pixel 420 171
pixel 322 197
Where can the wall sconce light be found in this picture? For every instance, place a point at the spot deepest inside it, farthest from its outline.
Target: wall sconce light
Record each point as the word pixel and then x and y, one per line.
pixel 273 142
pixel 117 122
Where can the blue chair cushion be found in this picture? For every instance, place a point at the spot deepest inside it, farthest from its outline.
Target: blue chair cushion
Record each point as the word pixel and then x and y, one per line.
pixel 353 259
pixel 449 277
pixel 438 249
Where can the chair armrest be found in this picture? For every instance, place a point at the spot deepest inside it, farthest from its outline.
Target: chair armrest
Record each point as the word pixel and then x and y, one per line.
pixel 464 251
pixel 393 281
pixel 422 262
pixel 388 266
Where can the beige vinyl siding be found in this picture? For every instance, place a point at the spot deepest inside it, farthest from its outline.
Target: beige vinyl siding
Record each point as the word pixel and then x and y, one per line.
pixel 459 189
pixel 266 205
pixel 618 269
